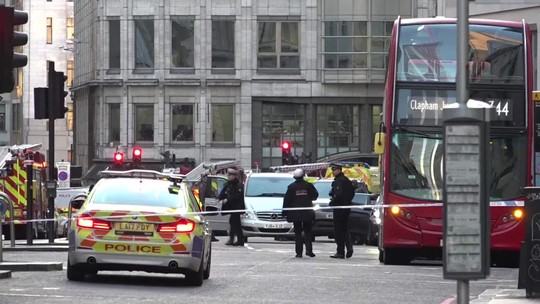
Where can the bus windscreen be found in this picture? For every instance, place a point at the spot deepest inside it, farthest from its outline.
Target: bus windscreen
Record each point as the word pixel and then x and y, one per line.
pixel 427 52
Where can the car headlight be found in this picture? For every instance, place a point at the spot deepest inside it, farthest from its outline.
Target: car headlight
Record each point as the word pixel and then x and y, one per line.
pixel 250 215
pixel 316 207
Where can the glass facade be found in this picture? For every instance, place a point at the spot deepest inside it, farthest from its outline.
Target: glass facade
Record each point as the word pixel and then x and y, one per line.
pixel 144 122
pixel 182 122
pixel 182 42
pixel 144 43
pixel 337 129
pixel 281 122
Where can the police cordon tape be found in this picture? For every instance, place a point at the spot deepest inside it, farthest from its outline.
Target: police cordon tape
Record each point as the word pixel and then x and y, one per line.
pixel 277 210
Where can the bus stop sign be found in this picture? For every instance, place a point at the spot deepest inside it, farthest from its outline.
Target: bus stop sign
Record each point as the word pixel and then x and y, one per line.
pixel 466 203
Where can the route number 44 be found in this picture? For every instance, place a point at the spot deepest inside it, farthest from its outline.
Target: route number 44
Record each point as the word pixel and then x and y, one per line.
pixel 501 107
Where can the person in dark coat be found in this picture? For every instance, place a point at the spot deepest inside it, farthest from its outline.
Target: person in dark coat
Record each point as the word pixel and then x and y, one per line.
pixel 342 194
pixel 232 197
pixel 301 194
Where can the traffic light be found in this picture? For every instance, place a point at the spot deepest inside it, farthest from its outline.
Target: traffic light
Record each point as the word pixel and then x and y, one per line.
pixel 9 38
pixel 137 154
pixel 118 159
pixel 41 103
pixel 56 93
pixel 286 153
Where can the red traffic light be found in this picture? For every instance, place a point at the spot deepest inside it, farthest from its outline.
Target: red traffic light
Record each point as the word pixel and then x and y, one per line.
pixel 285 146
pixel 137 153
pixel 118 157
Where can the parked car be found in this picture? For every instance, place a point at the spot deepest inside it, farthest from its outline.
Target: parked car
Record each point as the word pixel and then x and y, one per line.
pixel 264 193
pixel 360 223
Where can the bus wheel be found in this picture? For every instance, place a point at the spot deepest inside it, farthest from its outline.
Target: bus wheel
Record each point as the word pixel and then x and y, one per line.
pixel 392 256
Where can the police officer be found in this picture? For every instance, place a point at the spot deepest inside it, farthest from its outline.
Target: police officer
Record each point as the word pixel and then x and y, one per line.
pixel 342 194
pixel 301 194
pixel 232 197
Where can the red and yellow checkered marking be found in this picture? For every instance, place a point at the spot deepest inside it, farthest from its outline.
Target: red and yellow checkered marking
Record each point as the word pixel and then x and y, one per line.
pixel 160 243
pixel 15 187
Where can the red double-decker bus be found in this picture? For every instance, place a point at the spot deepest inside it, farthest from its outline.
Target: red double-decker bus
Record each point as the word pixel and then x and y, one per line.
pixel 421 80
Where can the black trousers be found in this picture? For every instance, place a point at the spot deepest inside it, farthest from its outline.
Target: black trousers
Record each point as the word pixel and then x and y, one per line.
pixel 236 227
pixel 305 227
pixel 341 230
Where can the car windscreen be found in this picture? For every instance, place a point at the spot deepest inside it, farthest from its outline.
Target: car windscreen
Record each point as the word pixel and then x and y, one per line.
pixel 137 192
pixel 323 188
pixel 268 186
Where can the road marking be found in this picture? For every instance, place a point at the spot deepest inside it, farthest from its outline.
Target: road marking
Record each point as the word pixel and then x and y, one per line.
pixel 51 288
pixel 33 295
pixel 449 300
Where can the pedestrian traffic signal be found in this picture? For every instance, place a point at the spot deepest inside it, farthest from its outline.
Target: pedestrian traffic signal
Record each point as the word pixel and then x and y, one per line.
pixel 286 153
pixel 9 38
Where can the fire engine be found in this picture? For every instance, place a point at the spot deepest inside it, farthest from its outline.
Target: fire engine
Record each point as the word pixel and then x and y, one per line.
pixel 13 182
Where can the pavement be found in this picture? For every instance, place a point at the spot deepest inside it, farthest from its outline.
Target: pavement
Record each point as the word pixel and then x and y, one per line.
pixel 504 296
pixel 37 245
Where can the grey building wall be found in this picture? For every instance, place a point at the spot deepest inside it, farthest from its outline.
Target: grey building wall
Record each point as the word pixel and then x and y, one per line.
pixel 95 87
pixel 35 72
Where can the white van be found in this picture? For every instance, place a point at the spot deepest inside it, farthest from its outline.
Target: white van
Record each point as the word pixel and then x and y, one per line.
pixel 264 193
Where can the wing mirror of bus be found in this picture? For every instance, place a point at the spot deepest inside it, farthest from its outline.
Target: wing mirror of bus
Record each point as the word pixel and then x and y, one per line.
pixel 378 144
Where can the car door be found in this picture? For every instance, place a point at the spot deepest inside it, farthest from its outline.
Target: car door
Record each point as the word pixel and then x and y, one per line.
pixel 212 206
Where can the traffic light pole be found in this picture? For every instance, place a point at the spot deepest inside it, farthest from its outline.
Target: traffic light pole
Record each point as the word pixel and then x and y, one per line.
pixel 51 233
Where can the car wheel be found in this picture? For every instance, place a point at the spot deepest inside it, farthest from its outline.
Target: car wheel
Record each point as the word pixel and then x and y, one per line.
pixel 208 264
pixel 75 273
pixel 196 278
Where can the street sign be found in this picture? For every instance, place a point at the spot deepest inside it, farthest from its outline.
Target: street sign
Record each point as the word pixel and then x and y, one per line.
pixel 466 205
pixel 63 176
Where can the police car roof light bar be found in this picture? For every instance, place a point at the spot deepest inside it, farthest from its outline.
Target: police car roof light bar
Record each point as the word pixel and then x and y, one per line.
pixel 176 178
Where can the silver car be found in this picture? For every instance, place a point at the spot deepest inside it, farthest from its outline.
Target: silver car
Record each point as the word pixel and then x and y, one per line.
pixel 264 193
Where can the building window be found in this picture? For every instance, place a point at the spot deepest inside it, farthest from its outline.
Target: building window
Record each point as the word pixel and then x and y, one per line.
pixel 222 123
pixel 49 30
pixel 337 129
pixel 69 73
pixel 223 44
pixel 380 42
pixel 345 44
pixel 144 122
pixel 69 117
pixel 279 45
pixel 182 43
pixel 114 44
pixel 182 122
pixel 70 28
pixel 281 122
pixel 2 118
pixel 144 43
pixel 114 122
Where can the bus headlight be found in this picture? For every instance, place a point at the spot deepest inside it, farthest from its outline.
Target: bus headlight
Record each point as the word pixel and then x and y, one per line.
pixel 518 213
pixel 395 210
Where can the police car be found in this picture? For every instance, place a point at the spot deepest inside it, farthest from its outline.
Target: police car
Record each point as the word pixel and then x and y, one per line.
pixel 140 220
